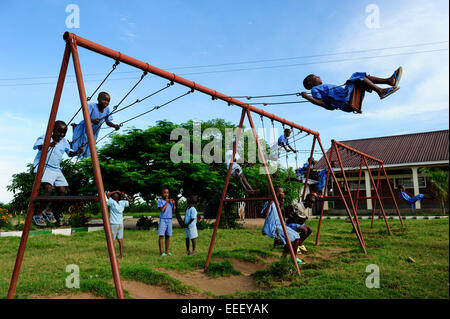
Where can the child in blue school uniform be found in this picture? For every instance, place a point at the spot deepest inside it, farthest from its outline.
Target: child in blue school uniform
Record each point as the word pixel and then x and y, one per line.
pixel 99 113
pixel 283 141
pixel 167 207
pixel 316 179
pixel 333 97
pixel 116 208
pixel 273 228
pixel 190 223
pixel 409 199
pixel 53 176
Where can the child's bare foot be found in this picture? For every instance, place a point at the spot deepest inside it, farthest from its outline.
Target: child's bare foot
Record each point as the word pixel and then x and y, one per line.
pixel 188 252
pixel 193 252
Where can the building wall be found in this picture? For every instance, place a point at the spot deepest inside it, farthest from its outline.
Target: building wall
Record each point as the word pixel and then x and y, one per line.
pixel 397 176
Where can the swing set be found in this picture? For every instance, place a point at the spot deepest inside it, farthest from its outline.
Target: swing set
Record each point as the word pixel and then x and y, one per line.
pixel 73 42
pixel 364 159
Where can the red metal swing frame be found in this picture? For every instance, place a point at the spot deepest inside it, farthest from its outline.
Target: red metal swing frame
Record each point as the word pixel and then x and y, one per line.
pixel 335 146
pixel 71 49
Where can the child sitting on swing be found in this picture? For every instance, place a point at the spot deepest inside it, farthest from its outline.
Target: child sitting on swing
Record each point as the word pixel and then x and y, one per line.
pixel 412 200
pixel 333 97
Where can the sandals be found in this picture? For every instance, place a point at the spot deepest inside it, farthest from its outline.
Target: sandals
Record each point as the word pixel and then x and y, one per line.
pixel 398 75
pixel 39 221
pixel 50 217
pixel 390 91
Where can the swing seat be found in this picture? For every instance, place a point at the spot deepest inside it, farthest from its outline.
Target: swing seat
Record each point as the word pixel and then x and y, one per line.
pixel 356 99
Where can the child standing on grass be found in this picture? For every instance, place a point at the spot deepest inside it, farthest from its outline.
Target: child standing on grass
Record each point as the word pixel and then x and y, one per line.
pixel 53 176
pixel 117 207
pixel 167 207
pixel 190 222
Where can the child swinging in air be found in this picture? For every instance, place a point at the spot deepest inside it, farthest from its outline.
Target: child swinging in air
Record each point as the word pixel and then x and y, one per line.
pixel 236 171
pixel 333 97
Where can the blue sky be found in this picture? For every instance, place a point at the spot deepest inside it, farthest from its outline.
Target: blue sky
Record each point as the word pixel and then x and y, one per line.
pixel 175 34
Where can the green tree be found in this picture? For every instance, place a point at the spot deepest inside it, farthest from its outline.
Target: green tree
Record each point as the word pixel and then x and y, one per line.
pixel 439 178
pixel 79 177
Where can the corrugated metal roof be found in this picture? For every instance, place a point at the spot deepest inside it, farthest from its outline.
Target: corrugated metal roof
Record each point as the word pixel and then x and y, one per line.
pixel 397 149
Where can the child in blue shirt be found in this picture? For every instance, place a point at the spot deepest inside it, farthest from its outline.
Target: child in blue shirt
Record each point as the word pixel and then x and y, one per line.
pixel 283 142
pixel 333 97
pixel 412 200
pixel 117 207
pixel 190 223
pixel 99 113
pixel 53 176
pixel 167 207
pixel 272 225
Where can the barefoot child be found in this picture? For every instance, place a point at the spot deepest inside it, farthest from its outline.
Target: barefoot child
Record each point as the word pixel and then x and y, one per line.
pixel 333 97
pixel 99 113
pixel 167 207
pixel 53 176
pixel 190 222
pixel 272 225
pixel 117 207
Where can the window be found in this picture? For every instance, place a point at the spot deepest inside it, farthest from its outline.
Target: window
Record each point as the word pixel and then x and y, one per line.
pixel 408 182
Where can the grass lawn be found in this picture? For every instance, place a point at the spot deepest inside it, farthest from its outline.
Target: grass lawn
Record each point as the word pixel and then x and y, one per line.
pixel 334 269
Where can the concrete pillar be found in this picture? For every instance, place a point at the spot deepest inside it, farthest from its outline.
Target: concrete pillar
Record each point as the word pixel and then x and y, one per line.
pixel 368 191
pixel 415 176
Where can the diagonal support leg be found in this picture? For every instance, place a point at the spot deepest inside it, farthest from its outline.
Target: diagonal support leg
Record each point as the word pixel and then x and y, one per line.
pixel 39 174
pixel 97 172
pixel 224 192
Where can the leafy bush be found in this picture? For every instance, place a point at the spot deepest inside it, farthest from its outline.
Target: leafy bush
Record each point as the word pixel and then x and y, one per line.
pixel 146 223
pixel 203 224
pixel 78 216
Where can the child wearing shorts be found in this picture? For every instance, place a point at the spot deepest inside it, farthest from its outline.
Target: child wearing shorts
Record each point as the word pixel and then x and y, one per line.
pixel 167 207
pixel 53 176
pixel 117 207
pixel 333 97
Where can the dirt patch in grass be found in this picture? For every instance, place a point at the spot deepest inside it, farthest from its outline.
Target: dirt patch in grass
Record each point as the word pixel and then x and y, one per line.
pixel 219 286
pixel 84 295
pixel 140 290
pixel 246 268
pixel 323 254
